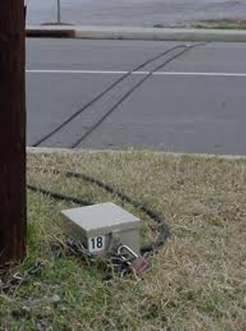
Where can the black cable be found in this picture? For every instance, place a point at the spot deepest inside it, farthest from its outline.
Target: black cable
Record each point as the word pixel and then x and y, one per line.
pixel 128 93
pixel 100 95
pixel 163 228
pixel 58 196
pixel 115 192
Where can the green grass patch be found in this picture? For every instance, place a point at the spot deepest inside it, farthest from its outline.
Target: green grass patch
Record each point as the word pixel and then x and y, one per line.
pixel 224 24
pixel 158 26
pixel 197 281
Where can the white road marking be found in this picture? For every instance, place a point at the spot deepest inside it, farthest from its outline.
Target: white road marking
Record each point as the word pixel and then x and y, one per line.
pixel 157 73
pixel 210 74
pixel 100 72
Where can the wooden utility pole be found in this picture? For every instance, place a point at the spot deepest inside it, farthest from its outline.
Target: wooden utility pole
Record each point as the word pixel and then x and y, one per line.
pixel 12 131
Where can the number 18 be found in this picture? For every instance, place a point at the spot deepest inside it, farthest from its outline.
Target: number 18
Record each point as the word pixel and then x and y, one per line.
pixel 96 243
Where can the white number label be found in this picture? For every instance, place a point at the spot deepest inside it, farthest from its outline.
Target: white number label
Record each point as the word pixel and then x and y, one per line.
pixel 96 243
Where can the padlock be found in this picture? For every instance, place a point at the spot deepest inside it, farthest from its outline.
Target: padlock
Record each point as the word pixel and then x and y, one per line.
pixel 127 253
pixel 138 263
pixel 140 266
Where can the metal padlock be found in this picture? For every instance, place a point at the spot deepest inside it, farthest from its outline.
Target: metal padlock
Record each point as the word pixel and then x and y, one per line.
pixel 138 263
pixel 127 253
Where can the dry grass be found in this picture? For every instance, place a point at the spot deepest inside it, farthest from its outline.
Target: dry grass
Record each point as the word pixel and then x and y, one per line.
pixel 197 282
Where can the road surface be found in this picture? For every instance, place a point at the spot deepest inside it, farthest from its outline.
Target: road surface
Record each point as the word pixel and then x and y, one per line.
pixel 188 100
pixel 135 12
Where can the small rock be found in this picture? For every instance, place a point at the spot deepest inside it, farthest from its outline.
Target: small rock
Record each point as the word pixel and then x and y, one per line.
pixel 41 326
pixel 31 303
pixel 55 300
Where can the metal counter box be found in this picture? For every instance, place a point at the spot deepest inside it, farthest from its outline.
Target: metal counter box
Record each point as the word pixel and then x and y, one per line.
pixel 96 225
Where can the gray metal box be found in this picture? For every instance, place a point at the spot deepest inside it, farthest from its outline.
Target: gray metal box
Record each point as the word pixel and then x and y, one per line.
pixel 95 226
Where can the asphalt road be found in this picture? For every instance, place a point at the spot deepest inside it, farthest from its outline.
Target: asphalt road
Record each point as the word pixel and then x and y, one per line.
pixel 135 12
pixel 195 102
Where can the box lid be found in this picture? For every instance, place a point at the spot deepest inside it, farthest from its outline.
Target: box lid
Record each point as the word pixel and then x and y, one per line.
pixel 101 218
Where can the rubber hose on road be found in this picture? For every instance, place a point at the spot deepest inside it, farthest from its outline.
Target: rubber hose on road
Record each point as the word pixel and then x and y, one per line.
pixel 104 92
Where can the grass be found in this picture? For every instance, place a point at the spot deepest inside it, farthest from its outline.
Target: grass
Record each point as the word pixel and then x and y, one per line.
pixel 160 26
pixel 224 24
pixel 197 282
